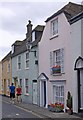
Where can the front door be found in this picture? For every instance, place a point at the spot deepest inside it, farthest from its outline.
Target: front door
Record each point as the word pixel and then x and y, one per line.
pixel 43 93
pixel 81 89
pixel 34 91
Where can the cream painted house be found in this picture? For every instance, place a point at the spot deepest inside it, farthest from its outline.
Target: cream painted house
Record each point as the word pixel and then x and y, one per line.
pixel 0 77
pixel 6 73
pixel 55 57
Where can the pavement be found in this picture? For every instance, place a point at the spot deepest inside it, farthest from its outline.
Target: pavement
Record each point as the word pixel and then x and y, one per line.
pixel 43 112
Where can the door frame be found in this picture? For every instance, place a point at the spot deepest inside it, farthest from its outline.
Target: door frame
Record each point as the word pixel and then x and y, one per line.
pixel 43 93
pixel 76 67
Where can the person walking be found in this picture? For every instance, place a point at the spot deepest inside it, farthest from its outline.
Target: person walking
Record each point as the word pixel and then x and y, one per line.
pixel 19 92
pixel 12 92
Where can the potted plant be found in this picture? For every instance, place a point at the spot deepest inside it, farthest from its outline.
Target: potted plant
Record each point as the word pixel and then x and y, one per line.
pixel 69 103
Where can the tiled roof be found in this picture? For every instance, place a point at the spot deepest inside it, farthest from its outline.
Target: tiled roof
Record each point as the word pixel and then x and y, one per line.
pixel 40 29
pixel 22 48
pixel 76 18
pixel 70 10
pixel 8 56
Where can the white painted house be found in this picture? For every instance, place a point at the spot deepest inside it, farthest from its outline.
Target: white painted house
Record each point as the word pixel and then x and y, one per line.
pixel 55 63
pixel 77 61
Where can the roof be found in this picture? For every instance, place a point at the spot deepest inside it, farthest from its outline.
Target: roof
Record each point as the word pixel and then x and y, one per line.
pixel 7 57
pixel 70 10
pixel 43 75
pixel 76 18
pixel 22 47
pixel 17 42
pixel 40 29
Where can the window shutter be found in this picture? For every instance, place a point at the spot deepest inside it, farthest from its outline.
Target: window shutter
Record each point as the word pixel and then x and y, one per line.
pixel 51 61
pixel 62 59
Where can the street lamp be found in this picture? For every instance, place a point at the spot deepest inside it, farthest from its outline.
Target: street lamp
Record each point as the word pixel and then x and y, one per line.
pixel 29 45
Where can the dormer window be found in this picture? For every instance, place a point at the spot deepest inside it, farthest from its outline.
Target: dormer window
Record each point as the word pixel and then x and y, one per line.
pixel 12 49
pixel 33 36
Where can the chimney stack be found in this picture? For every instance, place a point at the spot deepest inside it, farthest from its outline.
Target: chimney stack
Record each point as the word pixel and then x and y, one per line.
pixel 29 29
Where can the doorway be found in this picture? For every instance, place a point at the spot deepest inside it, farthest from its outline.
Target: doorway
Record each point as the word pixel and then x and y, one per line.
pixel 43 93
pixel 34 91
pixel 81 89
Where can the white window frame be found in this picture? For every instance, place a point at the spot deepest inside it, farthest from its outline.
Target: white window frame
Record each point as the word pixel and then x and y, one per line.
pixel 20 82
pixel 19 62
pixel 33 36
pixel 26 60
pixel 25 85
pixel 54 27
pixel 58 94
pixel 57 59
pixel 12 47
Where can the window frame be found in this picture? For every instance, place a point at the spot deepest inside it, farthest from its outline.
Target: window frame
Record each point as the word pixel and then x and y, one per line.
pixel 26 85
pixel 58 96
pixel 19 62
pixel 57 62
pixel 54 27
pixel 20 82
pixel 33 36
pixel 26 60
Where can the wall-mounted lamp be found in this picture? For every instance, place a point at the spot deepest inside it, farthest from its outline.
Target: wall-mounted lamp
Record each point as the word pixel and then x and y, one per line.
pixel 29 45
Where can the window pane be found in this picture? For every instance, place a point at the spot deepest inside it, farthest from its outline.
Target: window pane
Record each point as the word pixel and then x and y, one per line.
pixel 58 93
pixel 27 56
pixel 26 85
pixel 26 89
pixel 54 27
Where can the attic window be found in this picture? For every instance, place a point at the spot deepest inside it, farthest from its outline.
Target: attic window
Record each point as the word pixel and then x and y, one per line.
pixel 54 27
pixel 33 36
pixel 12 49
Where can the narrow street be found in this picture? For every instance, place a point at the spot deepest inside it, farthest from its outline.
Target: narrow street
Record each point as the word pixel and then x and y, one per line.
pixel 10 110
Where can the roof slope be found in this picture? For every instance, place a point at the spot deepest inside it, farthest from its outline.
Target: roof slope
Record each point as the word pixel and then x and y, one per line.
pixel 22 47
pixel 70 10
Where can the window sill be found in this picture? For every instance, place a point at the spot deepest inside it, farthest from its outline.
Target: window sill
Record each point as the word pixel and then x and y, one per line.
pixel 58 74
pixel 54 36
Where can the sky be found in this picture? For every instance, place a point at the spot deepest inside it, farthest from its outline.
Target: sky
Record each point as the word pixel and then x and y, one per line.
pixel 14 16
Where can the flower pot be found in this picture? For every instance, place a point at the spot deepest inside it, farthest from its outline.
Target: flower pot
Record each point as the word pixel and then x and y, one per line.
pixel 70 111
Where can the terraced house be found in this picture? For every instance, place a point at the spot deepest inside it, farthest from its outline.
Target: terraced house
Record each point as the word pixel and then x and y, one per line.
pixel 49 61
pixel 60 47
pixel 0 77
pixel 6 73
pixel 25 63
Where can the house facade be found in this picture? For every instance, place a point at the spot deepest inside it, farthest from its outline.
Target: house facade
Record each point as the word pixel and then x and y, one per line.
pixel 34 63
pixel 25 63
pixel 77 61
pixel 0 77
pixel 6 73
pixel 55 67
